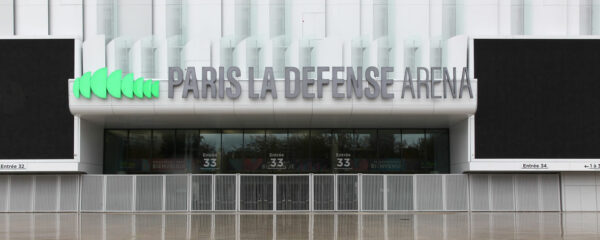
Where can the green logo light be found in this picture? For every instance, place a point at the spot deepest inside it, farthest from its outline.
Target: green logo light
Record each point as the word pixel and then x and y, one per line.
pixel 100 83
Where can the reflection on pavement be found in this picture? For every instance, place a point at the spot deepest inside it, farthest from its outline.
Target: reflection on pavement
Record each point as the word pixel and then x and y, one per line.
pixel 454 225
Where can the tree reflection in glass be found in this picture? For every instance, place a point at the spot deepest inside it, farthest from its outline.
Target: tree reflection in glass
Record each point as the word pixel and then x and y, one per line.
pixel 254 150
pixel 232 144
pixel 389 144
pixel 413 150
pixel 321 151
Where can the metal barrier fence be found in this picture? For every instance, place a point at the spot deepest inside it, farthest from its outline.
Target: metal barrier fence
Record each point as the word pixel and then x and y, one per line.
pixel 261 192
pixel 285 192
pixel 515 192
pixel 43 193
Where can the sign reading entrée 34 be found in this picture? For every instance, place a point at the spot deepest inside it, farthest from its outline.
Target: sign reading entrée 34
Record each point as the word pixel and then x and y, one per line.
pixel 301 82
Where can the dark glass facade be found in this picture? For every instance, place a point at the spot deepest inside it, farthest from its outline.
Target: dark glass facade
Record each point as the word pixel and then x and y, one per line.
pixel 276 151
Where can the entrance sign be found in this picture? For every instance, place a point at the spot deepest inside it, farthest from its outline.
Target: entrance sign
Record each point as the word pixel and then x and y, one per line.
pixel 307 82
pixel 13 166
pixel 300 82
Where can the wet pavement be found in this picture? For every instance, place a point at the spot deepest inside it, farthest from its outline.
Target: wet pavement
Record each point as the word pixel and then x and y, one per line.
pixel 459 225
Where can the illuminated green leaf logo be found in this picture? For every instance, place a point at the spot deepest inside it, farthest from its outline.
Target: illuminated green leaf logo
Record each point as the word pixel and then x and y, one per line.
pixel 100 83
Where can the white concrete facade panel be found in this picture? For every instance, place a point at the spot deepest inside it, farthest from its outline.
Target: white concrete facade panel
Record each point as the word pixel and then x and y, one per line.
pixel 7 18
pixel 66 18
pixel 31 17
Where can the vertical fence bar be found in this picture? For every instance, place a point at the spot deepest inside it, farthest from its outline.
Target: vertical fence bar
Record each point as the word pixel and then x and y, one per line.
pixel 8 192
pixel 134 197
pixel 515 191
pixel 78 194
pixel 444 198
pixel 540 194
pixel 414 192
pixel 311 192
pixel 237 193
pixel 335 192
pixel 385 191
pixel 213 191
pixel 468 195
pixel 32 200
pixel 471 194
pixel 359 194
pixel 274 193
pixel 489 193
pixel 80 200
pixel 189 194
pixel 164 196
pixel 104 193
pixel 78 182
pixel 58 189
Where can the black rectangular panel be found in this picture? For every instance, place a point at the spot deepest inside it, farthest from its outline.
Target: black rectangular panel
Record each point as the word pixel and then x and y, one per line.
pixel 537 98
pixel 35 119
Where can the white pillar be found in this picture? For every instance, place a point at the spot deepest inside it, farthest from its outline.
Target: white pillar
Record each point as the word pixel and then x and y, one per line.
pixel 66 18
pixel 31 17
pixel 6 18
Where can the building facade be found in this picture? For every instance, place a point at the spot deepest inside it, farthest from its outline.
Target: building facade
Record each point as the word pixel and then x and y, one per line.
pixel 273 105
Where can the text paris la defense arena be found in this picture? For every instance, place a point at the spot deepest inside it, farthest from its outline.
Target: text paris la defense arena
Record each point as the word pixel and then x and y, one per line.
pixel 297 107
pixel 213 84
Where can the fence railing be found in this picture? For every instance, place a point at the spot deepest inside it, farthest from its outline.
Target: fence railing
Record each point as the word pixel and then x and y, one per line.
pixel 267 192
pixel 284 192
pixel 43 193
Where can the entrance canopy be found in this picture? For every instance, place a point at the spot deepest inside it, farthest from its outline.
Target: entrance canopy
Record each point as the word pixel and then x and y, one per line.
pixel 269 112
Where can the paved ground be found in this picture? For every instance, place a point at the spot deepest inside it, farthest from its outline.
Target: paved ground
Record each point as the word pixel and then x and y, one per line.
pixel 527 225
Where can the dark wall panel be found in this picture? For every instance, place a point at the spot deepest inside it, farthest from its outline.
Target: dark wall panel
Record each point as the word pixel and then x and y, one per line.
pixel 35 122
pixel 537 98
